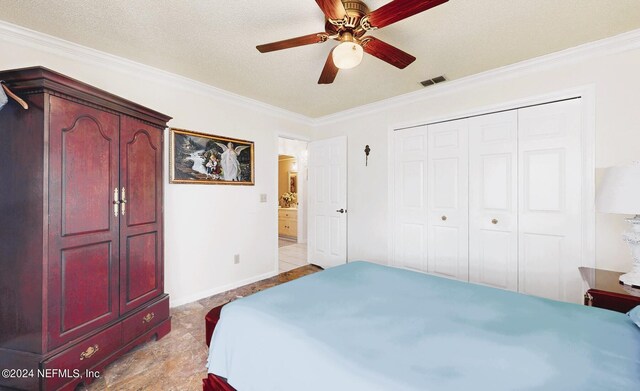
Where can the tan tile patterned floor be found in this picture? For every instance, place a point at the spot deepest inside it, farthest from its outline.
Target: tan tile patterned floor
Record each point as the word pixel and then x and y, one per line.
pixel 177 362
pixel 292 256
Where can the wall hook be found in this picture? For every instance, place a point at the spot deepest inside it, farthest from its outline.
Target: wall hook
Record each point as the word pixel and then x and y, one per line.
pixel 366 152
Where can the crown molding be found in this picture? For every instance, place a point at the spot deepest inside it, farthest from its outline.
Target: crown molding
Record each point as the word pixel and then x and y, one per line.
pixel 607 46
pixel 23 36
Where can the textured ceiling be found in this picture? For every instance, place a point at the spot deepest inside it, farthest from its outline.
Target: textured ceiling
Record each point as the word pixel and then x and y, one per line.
pixel 214 41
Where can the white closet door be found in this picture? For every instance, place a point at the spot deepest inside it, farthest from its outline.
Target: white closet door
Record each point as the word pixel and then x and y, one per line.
pixel 410 182
pixel 550 226
pixel 493 200
pixel 448 199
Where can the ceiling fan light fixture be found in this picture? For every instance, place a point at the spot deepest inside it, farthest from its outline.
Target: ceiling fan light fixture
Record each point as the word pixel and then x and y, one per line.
pixel 347 55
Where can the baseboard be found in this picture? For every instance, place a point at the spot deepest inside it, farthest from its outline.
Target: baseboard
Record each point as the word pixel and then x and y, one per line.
pixel 214 291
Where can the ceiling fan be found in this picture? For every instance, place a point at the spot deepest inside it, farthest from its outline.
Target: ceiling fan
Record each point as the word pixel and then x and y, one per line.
pixel 348 21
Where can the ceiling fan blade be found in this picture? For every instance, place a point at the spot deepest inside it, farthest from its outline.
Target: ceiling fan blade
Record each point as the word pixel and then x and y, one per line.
pixel 333 9
pixel 386 52
pixel 397 10
pixel 329 72
pixel 293 42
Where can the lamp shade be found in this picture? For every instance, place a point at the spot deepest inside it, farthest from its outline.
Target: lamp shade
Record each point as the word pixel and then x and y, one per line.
pixel 619 191
pixel 347 55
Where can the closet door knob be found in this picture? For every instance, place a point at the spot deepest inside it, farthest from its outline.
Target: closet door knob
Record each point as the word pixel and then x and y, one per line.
pixel 494 221
pixel 444 218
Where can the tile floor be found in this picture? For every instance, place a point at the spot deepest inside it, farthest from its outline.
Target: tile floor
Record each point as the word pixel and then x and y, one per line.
pixel 177 362
pixel 291 255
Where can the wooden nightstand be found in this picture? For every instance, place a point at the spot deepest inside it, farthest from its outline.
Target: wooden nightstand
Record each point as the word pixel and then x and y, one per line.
pixel 605 291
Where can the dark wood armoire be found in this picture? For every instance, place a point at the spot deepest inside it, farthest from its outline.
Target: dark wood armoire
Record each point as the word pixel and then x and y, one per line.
pixel 81 230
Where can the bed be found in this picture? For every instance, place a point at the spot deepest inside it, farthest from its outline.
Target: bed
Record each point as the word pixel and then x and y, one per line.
pixel 363 326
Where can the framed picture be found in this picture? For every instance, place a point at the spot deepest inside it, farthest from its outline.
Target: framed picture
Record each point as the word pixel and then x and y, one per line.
pixel 204 158
pixel 293 181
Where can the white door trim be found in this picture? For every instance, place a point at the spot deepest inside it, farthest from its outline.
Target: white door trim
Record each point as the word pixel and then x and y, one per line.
pixel 588 95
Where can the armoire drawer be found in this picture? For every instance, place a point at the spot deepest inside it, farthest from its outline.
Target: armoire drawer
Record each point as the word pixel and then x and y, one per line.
pixel 85 355
pixel 143 320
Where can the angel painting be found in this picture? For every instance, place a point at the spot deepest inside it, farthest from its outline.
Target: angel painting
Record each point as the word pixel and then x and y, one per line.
pixel 229 161
pixel 209 159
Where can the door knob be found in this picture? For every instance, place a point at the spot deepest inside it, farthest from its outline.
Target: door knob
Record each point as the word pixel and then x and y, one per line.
pixel 494 221
pixel 341 210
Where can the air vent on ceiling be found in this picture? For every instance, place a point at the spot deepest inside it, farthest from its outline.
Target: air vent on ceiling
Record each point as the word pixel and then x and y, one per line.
pixel 435 80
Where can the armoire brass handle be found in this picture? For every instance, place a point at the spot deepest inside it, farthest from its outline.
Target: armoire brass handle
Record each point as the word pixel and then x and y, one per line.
pixel 123 203
pixel 116 202
pixel 494 221
pixel 91 350
pixel 147 318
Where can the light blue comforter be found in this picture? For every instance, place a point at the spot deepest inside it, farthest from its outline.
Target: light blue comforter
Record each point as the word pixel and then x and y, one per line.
pixel 367 327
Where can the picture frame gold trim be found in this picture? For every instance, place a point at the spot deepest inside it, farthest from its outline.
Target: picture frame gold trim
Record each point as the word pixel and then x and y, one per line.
pixel 236 141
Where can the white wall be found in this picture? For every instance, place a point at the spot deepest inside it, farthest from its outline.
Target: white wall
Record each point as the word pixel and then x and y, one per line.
pixel 205 225
pixel 616 78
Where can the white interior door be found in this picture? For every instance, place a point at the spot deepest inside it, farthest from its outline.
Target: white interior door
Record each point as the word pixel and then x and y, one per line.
pixel 327 197
pixel 410 188
pixel 493 200
pixel 550 188
pixel 448 199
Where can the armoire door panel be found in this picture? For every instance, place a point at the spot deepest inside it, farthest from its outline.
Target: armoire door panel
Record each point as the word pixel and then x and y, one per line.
pixel 86 291
pixel 493 202
pixel 142 277
pixel 86 179
pixel 142 156
pixel 410 192
pixel 84 142
pixel 551 205
pixel 83 228
pixel 141 247
pixel 447 199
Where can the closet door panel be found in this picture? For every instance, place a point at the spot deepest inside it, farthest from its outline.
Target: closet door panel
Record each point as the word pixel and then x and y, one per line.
pixel 493 200
pixel 550 187
pixel 447 200
pixel 410 223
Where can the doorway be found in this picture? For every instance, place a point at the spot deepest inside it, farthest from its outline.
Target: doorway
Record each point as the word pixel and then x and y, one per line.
pixel 292 210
